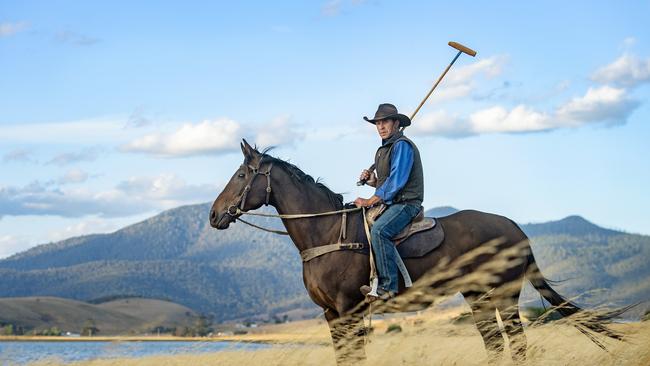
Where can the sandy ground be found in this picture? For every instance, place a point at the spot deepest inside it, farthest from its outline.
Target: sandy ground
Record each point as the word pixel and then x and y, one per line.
pixel 424 339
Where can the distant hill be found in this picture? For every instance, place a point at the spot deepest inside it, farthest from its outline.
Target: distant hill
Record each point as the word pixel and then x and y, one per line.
pixel 570 225
pixel 601 266
pixel 124 316
pixel 237 273
pixel 245 273
pixel 440 211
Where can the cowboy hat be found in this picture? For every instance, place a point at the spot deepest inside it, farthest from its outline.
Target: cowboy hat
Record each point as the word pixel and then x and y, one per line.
pixel 389 111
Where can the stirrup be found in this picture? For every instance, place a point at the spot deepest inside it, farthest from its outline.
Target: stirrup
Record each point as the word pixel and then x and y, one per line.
pixel 381 294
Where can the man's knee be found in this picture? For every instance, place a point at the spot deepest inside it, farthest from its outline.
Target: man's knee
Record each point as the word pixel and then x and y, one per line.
pixel 382 231
pixel 375 231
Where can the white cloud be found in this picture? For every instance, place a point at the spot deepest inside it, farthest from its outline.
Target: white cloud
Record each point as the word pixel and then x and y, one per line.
pixel 134 196
pixel 214 137
pixel 606 104
pixel 190 139
pixel 9 29
pixel 627 70
pixel 599 105
pixel 38 199
pixel 490 67
pixel 278 132
pixel 452 91
pixel 440 123
pixel 461 81
pixel 168 190
pixel 207 137
pixel 498 119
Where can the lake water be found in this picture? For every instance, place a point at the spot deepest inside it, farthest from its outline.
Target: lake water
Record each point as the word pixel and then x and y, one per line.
pixel 20 353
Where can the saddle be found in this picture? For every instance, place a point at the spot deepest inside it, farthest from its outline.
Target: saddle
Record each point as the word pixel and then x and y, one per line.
pixel 426 226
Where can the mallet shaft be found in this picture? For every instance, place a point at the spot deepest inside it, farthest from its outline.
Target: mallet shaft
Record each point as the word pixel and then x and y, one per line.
pixel 461 49
pixel 435 85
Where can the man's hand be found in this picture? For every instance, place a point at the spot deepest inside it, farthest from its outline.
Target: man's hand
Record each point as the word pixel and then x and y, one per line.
pixel 362 202
pixel 370 178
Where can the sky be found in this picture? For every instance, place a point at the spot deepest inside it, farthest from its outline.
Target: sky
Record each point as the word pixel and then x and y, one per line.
pixel 111 112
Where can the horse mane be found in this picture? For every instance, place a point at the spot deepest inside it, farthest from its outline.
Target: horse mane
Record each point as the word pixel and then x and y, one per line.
pixel 335 198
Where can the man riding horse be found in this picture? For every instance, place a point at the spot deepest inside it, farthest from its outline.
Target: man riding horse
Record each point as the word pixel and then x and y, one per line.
pixel 483 255
pixel 399 183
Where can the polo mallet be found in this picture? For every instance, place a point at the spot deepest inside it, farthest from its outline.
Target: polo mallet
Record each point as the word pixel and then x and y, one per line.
pixel 461 49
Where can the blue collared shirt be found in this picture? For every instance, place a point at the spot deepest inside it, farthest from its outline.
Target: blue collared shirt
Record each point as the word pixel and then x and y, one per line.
pixel 401 162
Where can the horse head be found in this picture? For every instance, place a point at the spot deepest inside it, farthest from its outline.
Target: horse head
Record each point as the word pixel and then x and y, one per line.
pixel 245 191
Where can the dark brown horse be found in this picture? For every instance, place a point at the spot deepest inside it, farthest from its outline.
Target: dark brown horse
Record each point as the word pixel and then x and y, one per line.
pixel 485 257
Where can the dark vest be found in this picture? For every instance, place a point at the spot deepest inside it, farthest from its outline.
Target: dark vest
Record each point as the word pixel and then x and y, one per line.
pixel 413 191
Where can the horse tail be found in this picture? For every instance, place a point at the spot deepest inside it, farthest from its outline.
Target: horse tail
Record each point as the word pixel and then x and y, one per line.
pixel 541 284
pixel 583 320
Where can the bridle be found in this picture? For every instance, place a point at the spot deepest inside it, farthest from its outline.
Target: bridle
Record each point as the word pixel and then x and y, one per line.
pixel 238 208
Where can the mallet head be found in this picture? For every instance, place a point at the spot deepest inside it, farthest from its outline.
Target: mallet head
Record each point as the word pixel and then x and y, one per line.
pixel 462 48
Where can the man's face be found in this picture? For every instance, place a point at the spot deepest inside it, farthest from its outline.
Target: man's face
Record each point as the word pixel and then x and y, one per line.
pixel 387 127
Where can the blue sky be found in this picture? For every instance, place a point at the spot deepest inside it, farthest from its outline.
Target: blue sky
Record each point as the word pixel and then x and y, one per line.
pixel 110 113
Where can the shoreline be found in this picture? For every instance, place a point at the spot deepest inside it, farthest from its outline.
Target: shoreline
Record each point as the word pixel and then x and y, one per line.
pixel 250 338
pixel 105 339
pixel 287 333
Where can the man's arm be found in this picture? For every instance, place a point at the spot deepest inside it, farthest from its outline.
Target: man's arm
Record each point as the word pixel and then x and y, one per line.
pixel 369 177
pixel 401 162
pixel 362 202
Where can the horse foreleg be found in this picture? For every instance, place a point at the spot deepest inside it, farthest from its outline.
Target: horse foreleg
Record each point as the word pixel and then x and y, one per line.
pixel 348 334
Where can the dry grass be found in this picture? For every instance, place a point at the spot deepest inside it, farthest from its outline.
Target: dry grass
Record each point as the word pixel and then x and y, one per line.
pixel 425 339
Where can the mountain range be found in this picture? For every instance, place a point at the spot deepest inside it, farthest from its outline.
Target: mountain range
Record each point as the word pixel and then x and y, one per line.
pixel 244 273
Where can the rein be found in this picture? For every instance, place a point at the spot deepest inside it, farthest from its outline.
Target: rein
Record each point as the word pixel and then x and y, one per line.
pixel 235 210
pixel 297 216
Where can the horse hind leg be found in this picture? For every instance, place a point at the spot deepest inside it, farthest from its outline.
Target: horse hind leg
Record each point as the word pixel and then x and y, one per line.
pixel 509 312
pixel 484 313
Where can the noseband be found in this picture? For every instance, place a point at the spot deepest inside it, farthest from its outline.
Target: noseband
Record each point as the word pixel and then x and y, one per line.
pixel 235 209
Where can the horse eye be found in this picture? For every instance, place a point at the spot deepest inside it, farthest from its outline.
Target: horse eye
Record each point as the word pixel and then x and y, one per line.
pixel 241 175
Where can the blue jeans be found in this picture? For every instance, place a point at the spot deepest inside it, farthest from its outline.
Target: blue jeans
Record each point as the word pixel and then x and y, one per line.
pixel 389 224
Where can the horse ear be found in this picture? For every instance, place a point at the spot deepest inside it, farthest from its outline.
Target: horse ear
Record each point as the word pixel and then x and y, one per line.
pixel 247 149
pixel 246 144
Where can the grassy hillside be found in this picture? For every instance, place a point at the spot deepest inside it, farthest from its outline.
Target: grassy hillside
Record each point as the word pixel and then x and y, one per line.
pixel 176 255
pixel 243 273
pixel 124 316
pixel 600 266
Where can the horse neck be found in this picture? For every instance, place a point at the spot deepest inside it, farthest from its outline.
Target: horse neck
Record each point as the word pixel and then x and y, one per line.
pixel 291 196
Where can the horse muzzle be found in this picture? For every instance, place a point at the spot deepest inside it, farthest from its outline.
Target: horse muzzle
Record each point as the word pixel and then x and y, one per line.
pixel 220 221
